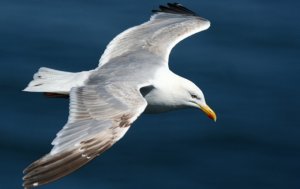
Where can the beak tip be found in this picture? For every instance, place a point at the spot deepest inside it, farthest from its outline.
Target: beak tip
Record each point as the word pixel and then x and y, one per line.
pixel 213 117
pixel 209 112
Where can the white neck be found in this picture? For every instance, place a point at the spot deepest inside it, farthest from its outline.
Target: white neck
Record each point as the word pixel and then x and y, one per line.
pixel 165 96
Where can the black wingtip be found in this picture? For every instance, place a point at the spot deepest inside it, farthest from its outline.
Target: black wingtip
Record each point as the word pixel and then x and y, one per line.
pixel 174 8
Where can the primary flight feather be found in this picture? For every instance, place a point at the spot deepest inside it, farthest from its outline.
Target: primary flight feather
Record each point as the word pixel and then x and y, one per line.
pixel 132 77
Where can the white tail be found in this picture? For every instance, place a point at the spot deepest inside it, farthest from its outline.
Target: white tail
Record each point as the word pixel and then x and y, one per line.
pixel 55 81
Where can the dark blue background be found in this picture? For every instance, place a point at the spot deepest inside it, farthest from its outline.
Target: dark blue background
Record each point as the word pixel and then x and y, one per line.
pixel 247 64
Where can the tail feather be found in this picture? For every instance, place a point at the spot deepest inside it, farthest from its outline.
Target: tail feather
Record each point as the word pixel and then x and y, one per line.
pixel 46 73
pixel 54 81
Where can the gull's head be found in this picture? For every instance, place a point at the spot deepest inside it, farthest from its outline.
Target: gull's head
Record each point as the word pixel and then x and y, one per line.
pixel 192 96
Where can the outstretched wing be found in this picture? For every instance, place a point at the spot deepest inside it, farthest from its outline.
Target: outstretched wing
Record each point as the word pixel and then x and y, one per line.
pixel 99 117
pixel 168 26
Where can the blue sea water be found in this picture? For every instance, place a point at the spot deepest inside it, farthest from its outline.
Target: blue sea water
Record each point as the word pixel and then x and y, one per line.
pixel 247 64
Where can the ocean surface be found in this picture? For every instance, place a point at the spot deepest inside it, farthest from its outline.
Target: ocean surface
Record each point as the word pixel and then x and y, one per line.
pixel 247 64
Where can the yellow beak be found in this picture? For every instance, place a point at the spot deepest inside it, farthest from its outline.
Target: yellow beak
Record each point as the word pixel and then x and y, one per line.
pixel 209 112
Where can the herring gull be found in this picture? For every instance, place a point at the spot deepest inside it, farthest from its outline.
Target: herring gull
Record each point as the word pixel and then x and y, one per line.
pixel 133 77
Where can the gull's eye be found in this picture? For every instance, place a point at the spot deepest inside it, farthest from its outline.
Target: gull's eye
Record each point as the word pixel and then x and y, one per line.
pixel 194 96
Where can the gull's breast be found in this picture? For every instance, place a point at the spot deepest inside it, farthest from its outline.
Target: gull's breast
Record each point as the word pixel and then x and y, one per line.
pixel 157 102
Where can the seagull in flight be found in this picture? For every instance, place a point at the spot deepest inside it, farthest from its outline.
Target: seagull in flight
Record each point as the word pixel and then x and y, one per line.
pixel 133 77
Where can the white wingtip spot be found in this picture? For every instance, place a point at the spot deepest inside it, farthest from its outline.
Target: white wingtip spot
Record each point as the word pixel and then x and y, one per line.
pixel 35 184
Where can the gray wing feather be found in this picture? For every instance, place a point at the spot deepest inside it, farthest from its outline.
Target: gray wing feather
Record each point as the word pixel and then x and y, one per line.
pixel 157 36
pixel 99 117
